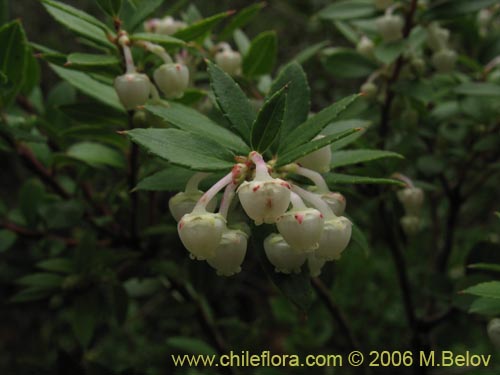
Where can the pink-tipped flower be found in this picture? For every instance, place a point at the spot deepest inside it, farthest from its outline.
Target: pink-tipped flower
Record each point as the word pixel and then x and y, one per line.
pixel 336 201
pixel 172 79
pixel 318 160
pixel 230 254
pixel 264 199
pixel 335 238
pixel 282 256
pixel 201 233
pixel 315 265
pixel 301 227
pixel 133 89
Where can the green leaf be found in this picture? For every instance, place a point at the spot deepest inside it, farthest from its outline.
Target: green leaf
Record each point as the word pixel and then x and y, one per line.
pixel 90 59
pixel 60 215
pixel 201 28
pixel 185 149
pixel 485 306
pixel 89 86
pixel 347 31
pixel 134 15
pixel 96 155
pixel 241 19
pixel 31 197
pixel 360 239
pixel 62 265
pixel 347 63
pixel 85 314
pixel 306 54
pixel 190 345
pixel 307 148
pixel 31 294
pixel 298 96
pixel 447 9
pixel 389 52
pixel 349 157
pixel 232 101
pixel 171 179
pixel 242 41
pixel 261 56
pixel 166 41
pixel 94 113
pixel 80 22
pixel 7 239
pixel 490 289
pixel 309 129
pixel 344 179
pixel 188 119
pixel 478 89
pixel 267 125
pixel 485 267
pixel 347 10
pixel 13 61
pixel 41 280
pixel 111 7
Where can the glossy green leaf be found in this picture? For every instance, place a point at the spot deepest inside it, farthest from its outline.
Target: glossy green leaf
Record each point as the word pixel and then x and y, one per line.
pixel 242 41
pixel 267 125
pixel 201 28
pixel 307 148
pixel 90 59
pixel 96 155
pixel 166 41
pixel 333 179
pixel 90 86
pixel 348 10
pixel 41 280
pixel 185 149
pixel 62 265
pixel 261 55
pixel 349 157
pixel 31 294
pixel 232 101
pixel 240 19
pixel 478 89
pixel 347 63
pixel 190 345
pixel 389 52
pixel 135 13
pixel 314 125
pixel 308 53
pixel 80 22
pixel 298 96
pixel 188 119
pixel 485 306
pixel 111 7
pixel 490 289
pixel 171 179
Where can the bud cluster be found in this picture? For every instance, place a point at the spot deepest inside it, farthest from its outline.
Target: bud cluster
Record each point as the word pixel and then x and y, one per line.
pixel 443 57
pixel 316 232
pixel 412 199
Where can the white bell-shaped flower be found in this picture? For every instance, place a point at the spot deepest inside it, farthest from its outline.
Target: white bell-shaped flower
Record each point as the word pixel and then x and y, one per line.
pixel 335 238
pixel 172 79
pixel 301 229
pixel 412 199
pixel 230 254
pixel 169 26
pixel 365 46
pixel 318 160
pixel 133 89
pixel 229 60
pixel 390 27
pixel 410 224
pixel 335 201
pixel 437 36
pixel 444 60
pixel 201 233
pixel 315 264
pixel 183 203
pixel 282 256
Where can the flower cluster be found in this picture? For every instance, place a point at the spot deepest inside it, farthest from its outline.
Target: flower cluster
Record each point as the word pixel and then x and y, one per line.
pixel 411 198
pixel 315 232
pixel 443 57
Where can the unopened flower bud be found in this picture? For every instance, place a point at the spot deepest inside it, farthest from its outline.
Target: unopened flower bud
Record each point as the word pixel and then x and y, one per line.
pixel 444 60
pixel 336 202
pixel 315 265
pixel 229 61
pixel 168 26
pixel 412 199
pixel 390 27
pixel 183 203
pixel 410 224
pixel 282 256
pixel 301 229
pixel 382 4
pixel 318 160
pixel 418 64
pixel 172 79
pixel 365 46
pixel 369 89
pixel 230 254
pixel 335 238
pixel 133 89
pixel 494 332
pixel 201 233
pixel 437 37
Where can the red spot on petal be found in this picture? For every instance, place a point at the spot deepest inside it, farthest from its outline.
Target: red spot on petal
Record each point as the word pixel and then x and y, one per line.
pixel 178 67
pixel 321 216
pixel 299 218
pixel 181 224
pixel 285 184
pixel 255 188
pixel 269 203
